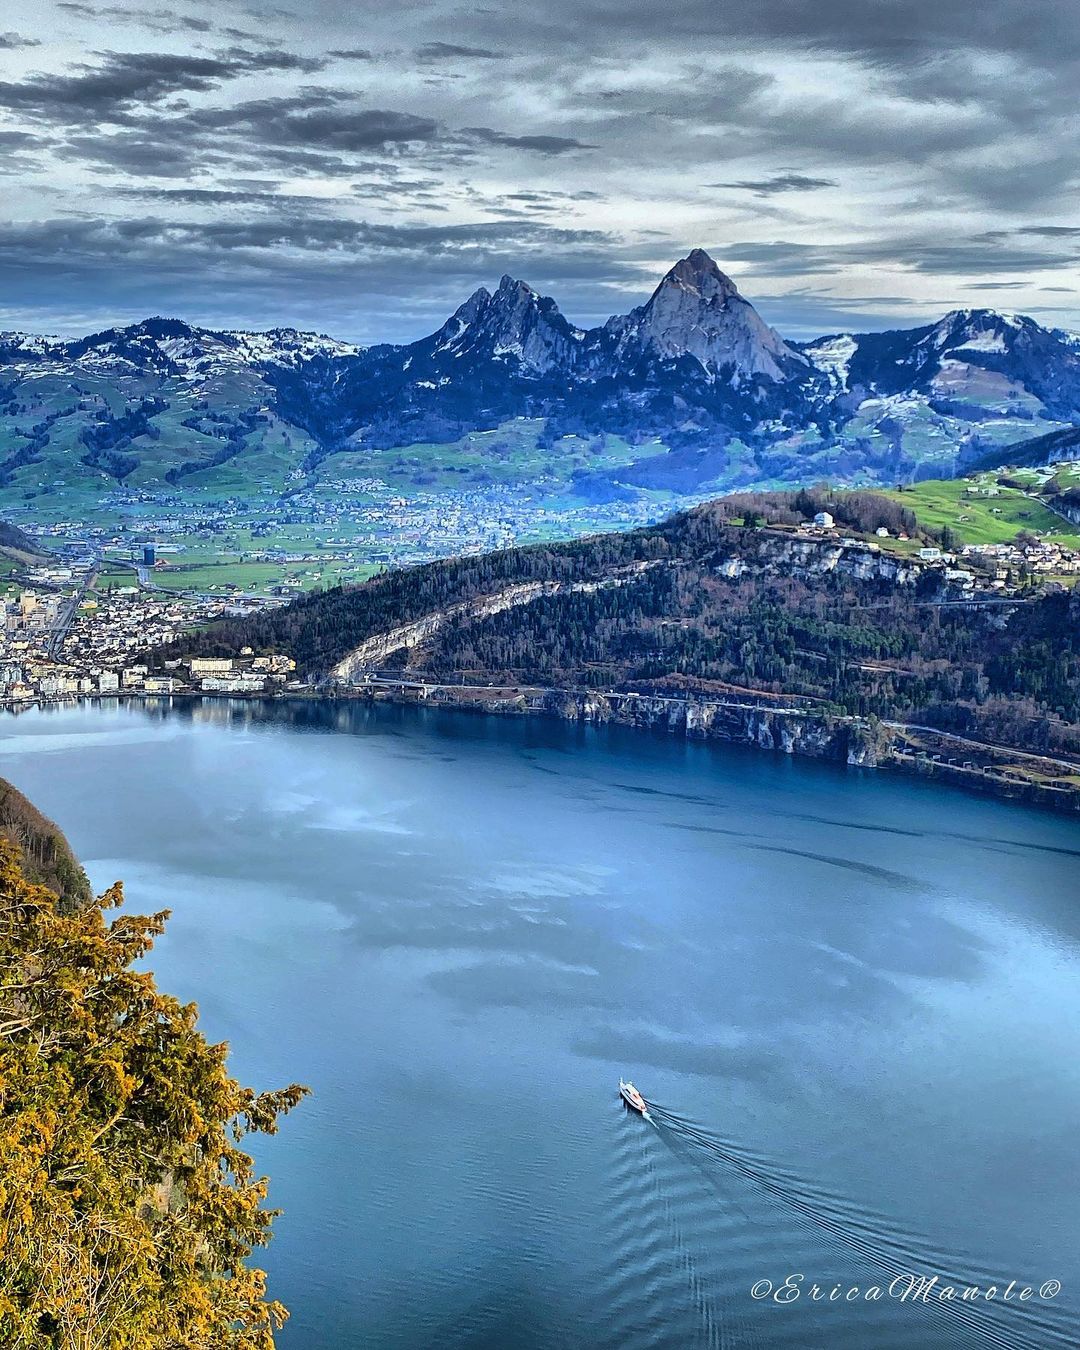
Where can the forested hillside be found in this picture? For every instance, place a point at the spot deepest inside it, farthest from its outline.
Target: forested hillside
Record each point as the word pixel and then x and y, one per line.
pixel 45 853
pixel 725 596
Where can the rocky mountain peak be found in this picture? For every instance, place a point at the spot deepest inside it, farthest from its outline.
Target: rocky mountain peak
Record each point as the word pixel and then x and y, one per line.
pixel 977 330
pixel 513 323
pixel 509 285
pixel 698 272
pixel 697 311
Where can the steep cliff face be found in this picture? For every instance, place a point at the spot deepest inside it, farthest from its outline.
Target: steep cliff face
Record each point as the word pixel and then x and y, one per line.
pixel 792 731
pixel 774 554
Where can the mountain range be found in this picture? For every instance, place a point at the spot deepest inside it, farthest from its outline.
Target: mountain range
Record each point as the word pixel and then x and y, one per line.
pixel 694 371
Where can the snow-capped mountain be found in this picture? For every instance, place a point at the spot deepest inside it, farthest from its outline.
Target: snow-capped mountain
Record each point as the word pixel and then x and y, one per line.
pixel 694 368
pixel 169 346
pixel 991 356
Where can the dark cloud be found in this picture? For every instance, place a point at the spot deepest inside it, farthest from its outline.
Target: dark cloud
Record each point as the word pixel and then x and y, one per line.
pixel 158 20
pixel 129 153
pixel 352 54
pixel 102 238
pixel 782 182
pixel 10 42
pixel 12 144
pixel 324 119
pixel 226 197
pixel 900 34
pixel 123 81
pixel 358 130
pixel 263 272
pixel 1052 231
pixel 440 51
pixel 545 145
pixel 316 130
pixel 552 198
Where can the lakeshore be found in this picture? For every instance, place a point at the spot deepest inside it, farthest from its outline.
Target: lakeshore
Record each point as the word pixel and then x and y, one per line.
pixel 1000 771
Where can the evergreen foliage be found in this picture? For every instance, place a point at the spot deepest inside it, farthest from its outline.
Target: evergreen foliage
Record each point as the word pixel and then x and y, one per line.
pixel 128 1211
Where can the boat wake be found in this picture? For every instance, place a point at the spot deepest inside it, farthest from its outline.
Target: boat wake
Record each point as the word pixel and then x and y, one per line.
pixel 740 1180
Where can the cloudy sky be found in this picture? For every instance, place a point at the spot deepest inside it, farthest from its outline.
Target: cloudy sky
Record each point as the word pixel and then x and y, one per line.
pixel 358 168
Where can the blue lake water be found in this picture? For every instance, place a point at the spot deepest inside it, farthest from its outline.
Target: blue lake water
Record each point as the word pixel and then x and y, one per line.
pixel 852 999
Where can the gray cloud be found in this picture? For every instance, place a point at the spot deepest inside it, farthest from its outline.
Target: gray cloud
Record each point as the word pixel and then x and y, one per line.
pixel 10 42
pixel 545 145
pixel 125 80
pixel 1052 231
pixel 267 197
pixel 903 34
pixel 782 182
pixel 441 51
pixel 259 272
pixel 918 254
pixel 158 20
pixel 129 152
pixel 316 130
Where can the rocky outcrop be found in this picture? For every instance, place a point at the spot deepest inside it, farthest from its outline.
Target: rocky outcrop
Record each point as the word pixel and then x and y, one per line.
pixel 792 731
pixel 805 556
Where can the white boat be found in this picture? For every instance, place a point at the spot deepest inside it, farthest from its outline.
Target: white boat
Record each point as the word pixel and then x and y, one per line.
pixel 633 1098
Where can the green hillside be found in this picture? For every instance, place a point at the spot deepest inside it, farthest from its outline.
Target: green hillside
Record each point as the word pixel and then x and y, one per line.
pixel 980 510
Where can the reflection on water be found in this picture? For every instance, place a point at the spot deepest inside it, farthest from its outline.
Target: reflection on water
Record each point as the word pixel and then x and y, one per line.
pixel 849 996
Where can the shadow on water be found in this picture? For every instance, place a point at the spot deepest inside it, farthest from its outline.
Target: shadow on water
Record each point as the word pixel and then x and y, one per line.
pixel 663 1169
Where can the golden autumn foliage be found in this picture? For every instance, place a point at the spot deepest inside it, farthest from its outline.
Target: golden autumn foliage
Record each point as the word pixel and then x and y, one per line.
pixel 128 1211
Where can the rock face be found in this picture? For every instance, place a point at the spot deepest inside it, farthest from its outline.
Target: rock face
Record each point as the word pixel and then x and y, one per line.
pixel 514 323
pixel 794 556
pixel 697 311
